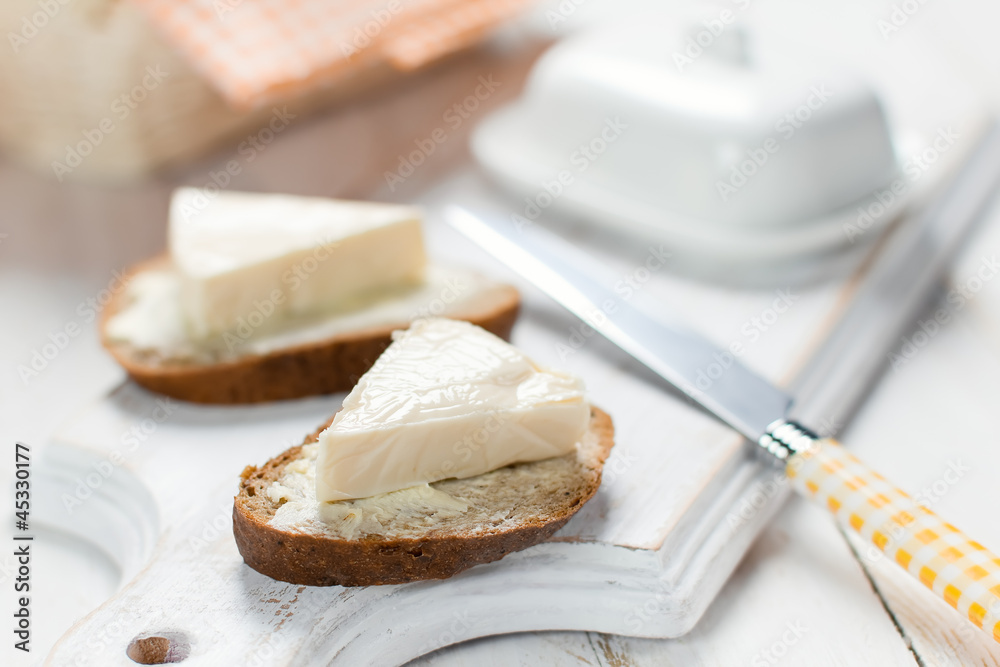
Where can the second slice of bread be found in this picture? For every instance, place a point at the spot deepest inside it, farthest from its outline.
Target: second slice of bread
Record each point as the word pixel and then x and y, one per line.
pixel 425 533
pixel 318 367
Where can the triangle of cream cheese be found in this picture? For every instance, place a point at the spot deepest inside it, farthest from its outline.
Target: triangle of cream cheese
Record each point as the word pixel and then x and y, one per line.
pixel 249 259
pixel 446 399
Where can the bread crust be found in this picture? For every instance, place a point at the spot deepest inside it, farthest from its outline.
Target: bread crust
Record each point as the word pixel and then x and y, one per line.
pixel 313 560
pixel 321 367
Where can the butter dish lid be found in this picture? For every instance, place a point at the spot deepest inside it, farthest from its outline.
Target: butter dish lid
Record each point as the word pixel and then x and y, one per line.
pixel 735 150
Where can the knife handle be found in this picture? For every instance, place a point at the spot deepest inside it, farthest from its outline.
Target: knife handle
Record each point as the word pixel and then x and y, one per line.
pixel 960 570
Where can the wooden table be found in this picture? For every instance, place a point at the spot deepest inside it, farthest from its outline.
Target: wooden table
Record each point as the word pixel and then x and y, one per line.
pixel 804 595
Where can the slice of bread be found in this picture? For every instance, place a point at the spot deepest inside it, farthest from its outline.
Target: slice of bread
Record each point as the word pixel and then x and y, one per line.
pixel 316 367
pixel 429 532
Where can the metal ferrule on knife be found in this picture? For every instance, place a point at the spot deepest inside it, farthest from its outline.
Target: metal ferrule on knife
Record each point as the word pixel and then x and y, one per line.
pixel 783 439
pixel 956 568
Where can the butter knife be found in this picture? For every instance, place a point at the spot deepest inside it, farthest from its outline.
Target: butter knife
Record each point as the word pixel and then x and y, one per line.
pixel 956 568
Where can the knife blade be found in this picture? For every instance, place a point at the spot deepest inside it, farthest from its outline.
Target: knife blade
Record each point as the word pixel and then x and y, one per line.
pixel 684 358
pixel 932 550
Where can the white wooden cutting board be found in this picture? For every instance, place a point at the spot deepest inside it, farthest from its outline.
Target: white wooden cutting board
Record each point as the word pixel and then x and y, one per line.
pixel 152 481
pixel 620 566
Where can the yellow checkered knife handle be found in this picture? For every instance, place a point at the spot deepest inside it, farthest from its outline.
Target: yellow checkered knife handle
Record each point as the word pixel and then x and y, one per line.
pixel 959 570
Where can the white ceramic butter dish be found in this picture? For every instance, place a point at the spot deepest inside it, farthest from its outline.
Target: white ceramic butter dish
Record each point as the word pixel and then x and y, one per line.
pixel 736 152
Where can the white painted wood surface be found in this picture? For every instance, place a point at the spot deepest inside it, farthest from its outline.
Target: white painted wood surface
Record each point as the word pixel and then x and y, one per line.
pixel 797 599
pixel 653 546
pixel 632 548
pixel 950 372
pixel 933 419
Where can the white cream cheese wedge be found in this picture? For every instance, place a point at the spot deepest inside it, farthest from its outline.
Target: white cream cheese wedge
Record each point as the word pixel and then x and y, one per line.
pixel 267 256
pixel 446 399
pixel 152 319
